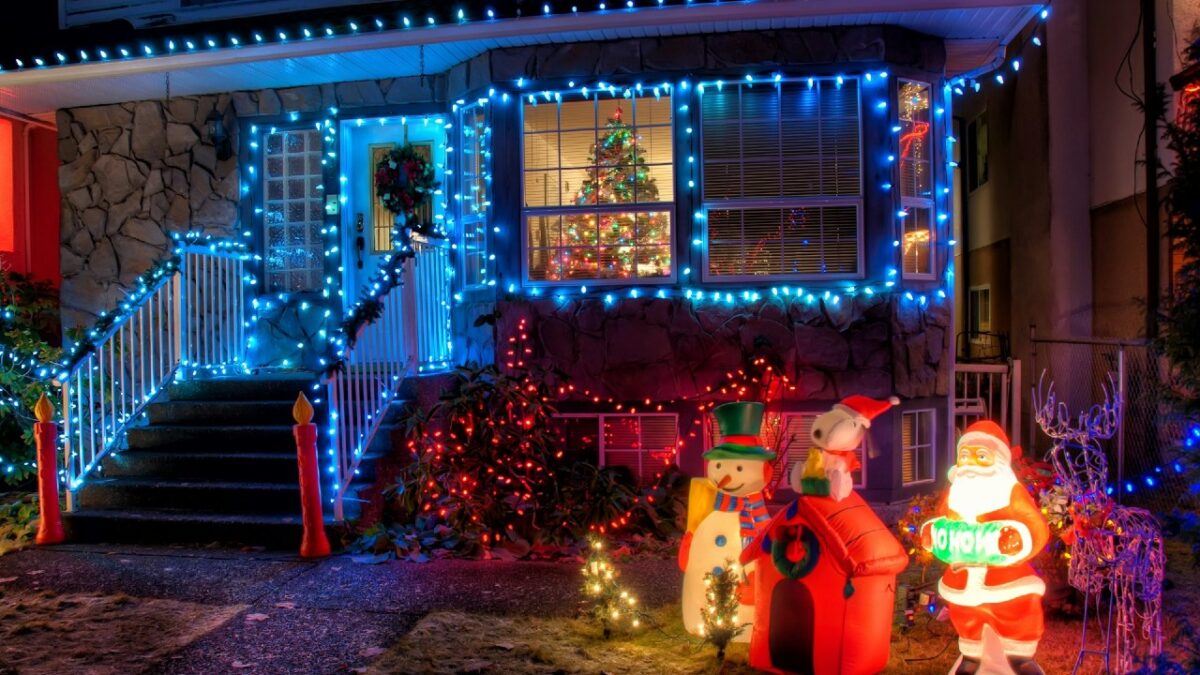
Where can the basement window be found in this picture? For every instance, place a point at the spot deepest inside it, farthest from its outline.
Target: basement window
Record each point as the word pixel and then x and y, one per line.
pixel 643 444
pixel 917 446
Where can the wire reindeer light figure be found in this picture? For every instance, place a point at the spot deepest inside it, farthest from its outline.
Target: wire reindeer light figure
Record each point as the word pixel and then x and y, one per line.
pixel 1115 549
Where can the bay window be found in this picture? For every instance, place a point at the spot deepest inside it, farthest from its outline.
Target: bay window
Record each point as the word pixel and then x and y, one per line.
pixel 782 179
pixel 916 179
pixel 599 193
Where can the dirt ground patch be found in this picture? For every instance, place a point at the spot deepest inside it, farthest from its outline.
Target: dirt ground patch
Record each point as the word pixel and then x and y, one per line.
pixel 97 634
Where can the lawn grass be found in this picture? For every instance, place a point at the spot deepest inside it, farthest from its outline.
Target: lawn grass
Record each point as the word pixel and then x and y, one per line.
pixel 49 633
pixel 458 642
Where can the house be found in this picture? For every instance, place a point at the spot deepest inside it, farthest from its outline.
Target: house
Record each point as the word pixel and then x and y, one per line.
pixel 661 190
pixel 840 593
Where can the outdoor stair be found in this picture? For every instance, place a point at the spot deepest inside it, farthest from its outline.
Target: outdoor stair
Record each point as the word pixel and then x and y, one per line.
pixel 214 461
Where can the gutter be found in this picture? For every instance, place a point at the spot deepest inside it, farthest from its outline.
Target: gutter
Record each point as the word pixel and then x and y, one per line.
pixel 559 24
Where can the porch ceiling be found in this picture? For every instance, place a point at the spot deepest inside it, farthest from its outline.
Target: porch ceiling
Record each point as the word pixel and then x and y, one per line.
pixel 975 31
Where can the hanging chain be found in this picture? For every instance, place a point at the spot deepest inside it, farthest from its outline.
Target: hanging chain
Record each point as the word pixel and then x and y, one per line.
pixel 421 53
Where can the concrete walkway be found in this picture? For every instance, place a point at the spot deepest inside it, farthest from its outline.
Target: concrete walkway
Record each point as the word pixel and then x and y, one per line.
pixel 322 617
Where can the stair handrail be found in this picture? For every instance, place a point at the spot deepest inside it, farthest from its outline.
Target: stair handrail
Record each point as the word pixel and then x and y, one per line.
pixel 189 307
pixel 372 368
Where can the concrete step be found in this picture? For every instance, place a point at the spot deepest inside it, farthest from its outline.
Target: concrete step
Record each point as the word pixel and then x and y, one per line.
pixel 225 413
pixel 261 387
pixel 255 467
pixel 165 526
pixel 252 467
pixel 264 438
pixel 202 496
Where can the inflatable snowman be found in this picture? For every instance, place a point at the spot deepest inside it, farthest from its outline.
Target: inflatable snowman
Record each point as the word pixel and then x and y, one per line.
pixel 726 510
pixel 837 436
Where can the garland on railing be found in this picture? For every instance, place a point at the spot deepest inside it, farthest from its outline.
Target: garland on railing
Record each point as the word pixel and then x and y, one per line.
pixel 404 182
pixel 88 340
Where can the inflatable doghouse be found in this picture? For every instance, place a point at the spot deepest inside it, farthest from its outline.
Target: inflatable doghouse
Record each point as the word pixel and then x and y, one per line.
pixel 824 588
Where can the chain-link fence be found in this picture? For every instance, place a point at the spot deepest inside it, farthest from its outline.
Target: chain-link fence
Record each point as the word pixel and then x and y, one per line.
pixel 1141 468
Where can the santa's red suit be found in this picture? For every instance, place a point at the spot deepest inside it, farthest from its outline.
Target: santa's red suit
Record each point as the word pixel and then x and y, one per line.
pixel 1007 597
pixel 1010 597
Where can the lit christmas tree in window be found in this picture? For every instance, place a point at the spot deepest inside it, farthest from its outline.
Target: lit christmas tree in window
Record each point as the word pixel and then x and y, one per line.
pixel 617 245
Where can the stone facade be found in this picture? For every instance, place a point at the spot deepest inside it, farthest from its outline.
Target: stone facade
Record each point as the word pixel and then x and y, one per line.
pixel 667 349
pixel 134 173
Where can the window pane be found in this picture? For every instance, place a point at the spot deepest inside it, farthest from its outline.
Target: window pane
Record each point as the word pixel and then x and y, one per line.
pixel 294 210
pixel 799 240
pixel 589 152
pixel 790 140
pixel 603 245
pixel 474 182
pixel 916 440
pixel 918 241
pixel 915 179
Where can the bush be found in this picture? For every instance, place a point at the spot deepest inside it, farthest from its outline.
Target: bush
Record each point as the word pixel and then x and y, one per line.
pixel 18 522
pixel 488 475
pixel 29 346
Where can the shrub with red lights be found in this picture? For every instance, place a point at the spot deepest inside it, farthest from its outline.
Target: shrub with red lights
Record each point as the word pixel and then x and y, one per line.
pixel 489 475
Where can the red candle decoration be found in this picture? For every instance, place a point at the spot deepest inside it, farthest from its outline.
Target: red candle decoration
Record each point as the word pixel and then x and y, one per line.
pixel 45 433
pixel 314 543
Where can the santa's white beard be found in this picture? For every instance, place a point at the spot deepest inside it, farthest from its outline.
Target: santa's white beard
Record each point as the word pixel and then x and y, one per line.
pixel 976 490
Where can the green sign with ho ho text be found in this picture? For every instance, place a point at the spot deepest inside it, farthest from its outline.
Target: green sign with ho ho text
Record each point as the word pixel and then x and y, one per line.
pixel 957 541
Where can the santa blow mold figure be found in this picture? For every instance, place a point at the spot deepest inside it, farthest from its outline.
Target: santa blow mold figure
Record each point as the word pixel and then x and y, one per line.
pixel 836 437
pixel 725 510
pixel 988 530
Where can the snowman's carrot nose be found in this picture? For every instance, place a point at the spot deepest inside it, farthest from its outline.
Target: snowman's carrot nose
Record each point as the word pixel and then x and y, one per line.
pixel 724 481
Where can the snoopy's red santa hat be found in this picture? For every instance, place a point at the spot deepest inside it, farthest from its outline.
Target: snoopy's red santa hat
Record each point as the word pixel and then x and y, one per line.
pixel 865 408
pixel 988 434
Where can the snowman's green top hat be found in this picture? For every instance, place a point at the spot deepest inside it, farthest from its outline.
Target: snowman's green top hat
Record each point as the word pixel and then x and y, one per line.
pixel 740 423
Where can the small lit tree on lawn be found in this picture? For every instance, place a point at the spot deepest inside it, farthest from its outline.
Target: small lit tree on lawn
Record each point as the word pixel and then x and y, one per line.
pixel 721 607
pixel 606 601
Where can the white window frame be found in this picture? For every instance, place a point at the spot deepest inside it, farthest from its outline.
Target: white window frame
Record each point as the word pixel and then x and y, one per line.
pixel 784 203
pixel 638 207
pixel 602 449
pixel 913 202
pixel 931 445
pixel 466 218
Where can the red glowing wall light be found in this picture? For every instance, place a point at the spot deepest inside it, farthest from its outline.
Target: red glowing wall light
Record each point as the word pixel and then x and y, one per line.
pixel 7 212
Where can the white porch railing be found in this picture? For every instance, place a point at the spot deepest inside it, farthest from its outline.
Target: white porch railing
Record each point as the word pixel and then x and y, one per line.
pixel 411 336
pixel 988 391
pixel 192 315
pixel 429 296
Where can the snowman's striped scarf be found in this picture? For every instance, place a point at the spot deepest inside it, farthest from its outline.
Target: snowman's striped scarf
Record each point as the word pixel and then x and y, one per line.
pixel 751 510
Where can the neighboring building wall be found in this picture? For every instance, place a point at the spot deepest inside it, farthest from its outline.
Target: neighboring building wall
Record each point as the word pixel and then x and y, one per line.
pixel 28 224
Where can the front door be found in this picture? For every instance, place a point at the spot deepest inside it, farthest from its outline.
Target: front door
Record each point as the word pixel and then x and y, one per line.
pixel 367 236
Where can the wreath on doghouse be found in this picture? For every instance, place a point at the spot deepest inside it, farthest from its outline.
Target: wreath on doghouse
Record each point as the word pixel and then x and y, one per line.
pixel 404 180
pixel 794 550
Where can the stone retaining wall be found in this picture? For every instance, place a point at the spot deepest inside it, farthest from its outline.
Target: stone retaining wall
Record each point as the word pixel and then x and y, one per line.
pixel 664 349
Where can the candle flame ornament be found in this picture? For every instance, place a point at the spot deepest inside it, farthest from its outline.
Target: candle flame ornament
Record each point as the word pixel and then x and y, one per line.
pixel 302 410
pixel 988 529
